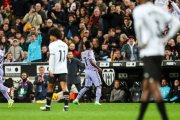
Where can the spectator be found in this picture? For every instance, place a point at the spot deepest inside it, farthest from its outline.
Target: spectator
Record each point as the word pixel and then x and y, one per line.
pixel 34 49
pixel 104 53
pixel 32 19
pixel 96 47
pixel 136 91
pixel 178 46
pixel 122 40
pixel 169 55
pixel 25 57
pixel 44 30
pixel 23 44
pixel 72 48
pixel 16 50
pixel 39 10
pixel 9 58
pixel 45 54
pixel 25 90
pixel 95 22
pixel 57 15
pixel 127 28
pixel 130 50
pixel 41 84
pixel 165 90
pixel 74 66
pixel 117 94
pixel 118 56
pixel 112 36
pixel 175 92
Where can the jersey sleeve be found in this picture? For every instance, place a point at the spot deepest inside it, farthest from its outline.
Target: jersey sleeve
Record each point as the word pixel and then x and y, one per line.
pixel 51 58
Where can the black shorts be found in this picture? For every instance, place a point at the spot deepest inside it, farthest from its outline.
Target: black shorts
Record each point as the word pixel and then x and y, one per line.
pixel 58 78
pixel 152 67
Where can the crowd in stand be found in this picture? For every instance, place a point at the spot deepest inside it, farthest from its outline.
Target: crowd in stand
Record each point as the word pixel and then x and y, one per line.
pixel 108 24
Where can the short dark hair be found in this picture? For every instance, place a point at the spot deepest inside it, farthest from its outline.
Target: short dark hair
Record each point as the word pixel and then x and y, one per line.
pixel 55 32
pixel 87 44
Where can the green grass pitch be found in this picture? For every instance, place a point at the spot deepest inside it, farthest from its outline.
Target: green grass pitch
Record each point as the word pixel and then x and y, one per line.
pixel 85 111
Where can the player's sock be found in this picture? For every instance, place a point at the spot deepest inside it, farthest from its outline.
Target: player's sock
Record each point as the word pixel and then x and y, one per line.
pixel 81 93
pixel 4 91
pixel 48 98
pixel 143 108
pixel 162 110
pixel 66 98
pixel 98 93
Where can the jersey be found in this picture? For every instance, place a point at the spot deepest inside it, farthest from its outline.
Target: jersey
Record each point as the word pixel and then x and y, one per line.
pixel 58 57
pixel 87 55
pixel 162 3
pixel 149 23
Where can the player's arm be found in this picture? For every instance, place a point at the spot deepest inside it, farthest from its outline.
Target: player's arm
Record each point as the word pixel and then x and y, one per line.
pixel 51 62
pixel 93 64
pixel 175 26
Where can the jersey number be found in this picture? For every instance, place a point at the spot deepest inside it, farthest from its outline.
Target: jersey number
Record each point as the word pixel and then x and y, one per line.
pixel 62 55
pixel 85 61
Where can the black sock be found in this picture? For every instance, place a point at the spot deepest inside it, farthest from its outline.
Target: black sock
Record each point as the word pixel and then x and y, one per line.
pixel 48 98
pixel 142 110
pixel 162 110
pixel 66 98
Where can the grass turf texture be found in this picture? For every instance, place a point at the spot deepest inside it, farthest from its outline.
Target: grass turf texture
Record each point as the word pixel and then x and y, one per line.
pixel 85 111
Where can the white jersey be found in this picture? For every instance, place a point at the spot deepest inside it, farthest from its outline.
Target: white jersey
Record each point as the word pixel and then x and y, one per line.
pixel 162 3
pixel 58 57
pixel 150 22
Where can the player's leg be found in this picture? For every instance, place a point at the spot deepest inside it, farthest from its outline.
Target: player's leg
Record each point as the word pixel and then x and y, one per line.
pixel 155 87
pixel 88 84
pixel 159 101
pixel 97 82
pixel 65 94
pixel 144 99
pixel 63 78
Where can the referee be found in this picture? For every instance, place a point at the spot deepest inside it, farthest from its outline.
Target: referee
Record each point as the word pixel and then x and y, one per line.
pixel 150 22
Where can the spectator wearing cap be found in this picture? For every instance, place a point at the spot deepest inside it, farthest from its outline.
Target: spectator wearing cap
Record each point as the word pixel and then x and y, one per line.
pixel 16 50
pixel 130 50
pixel 34 49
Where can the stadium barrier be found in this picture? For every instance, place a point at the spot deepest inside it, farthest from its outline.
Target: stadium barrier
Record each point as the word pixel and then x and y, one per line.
pixel 121 70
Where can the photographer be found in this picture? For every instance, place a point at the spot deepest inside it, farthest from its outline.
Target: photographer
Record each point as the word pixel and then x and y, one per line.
pixel 32 19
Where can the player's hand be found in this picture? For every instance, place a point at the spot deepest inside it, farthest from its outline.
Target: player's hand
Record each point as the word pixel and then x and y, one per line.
pixel 51 74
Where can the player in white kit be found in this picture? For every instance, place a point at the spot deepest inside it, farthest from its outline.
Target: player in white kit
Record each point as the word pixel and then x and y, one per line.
pixel 150 22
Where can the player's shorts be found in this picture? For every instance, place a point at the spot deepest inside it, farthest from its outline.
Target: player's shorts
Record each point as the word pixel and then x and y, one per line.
pixel 92 77
pixel 152 67
pixel 58 78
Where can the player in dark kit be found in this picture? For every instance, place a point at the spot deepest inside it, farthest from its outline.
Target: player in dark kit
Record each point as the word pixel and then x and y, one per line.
pixel 150 22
